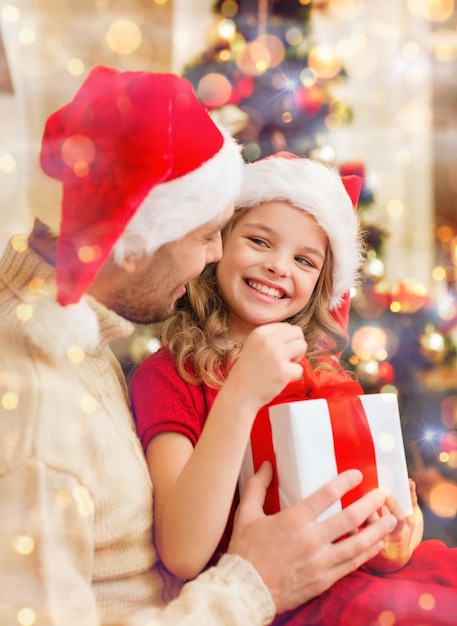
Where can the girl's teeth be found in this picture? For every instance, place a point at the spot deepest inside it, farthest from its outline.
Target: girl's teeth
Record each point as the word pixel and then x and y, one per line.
pixel 268 291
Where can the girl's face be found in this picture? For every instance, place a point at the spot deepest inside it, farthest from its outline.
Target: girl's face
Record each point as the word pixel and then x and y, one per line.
pixel 271 261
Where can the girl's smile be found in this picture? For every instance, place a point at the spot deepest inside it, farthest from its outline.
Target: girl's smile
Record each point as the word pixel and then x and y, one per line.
pixel 272 260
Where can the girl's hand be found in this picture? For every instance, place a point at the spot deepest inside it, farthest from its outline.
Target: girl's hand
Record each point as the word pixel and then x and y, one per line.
pixel 268 362
pixel 400 544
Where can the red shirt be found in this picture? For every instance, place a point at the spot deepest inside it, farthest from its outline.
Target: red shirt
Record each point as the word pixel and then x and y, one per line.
pixel 163 402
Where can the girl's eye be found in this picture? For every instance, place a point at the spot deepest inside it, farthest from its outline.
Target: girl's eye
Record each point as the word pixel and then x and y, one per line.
pixel 259 242
pixel 304 261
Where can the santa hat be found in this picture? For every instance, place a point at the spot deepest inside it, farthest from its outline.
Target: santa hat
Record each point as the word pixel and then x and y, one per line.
pixel 318 189
pixel 140 163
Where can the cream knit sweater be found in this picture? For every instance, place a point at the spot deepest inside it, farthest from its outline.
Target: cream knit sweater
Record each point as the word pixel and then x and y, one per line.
pixel 75 495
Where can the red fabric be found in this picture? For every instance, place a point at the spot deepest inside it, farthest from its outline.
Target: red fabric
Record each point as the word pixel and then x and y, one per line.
pixel 353 445
pixel 423 593
pixel 121 135
pixel 163 402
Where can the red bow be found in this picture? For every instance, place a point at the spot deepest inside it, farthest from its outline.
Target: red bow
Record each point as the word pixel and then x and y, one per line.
pixel 353 444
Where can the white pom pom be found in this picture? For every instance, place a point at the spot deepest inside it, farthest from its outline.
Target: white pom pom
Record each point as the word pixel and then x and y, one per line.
pixel 55 329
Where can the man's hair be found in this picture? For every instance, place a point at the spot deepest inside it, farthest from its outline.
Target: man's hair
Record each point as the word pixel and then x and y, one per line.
pixel 200 321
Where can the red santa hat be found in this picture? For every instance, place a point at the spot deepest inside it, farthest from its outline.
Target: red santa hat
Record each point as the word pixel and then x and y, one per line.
pixel 317 188
pixel 141 164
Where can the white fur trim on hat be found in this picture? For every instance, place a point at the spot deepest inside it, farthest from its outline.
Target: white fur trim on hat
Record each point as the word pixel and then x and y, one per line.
pixel 174 208
pixel 55 329
pixel 316 188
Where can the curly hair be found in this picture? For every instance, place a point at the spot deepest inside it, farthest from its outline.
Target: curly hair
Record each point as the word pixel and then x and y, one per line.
pixel 195 332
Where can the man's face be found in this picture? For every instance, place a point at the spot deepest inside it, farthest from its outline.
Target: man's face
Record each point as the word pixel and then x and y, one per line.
pixel 148 294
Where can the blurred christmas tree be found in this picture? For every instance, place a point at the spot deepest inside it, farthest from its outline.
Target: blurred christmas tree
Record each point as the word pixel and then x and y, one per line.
pixel 264 78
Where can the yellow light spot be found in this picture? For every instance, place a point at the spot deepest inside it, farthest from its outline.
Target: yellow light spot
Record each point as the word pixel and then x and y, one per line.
pixel 81 169
pixel 76 354
pixel 84 501
pixel 89 254
pixel 286 117
pixel 324 60
pixel 226 28
pixel 443 499
pixel 395 207
pixel 88 404
pixel 26 617
pixel 124 37
pixel 24 312
pixel 36 285
pixel 7 163
pixel 214 89
pixel 19 243
pixel 395 306
pixel 24 544
pixel 224 55
pixel 426 601
pixel 386 442
pixel 10 14
pixel 386 618
pixel 27 36
pixel 10 401
pixel 229 8
pixel 439 273
pixel 63 499
pixel 77 149
pixel 160 2
pixel 75 67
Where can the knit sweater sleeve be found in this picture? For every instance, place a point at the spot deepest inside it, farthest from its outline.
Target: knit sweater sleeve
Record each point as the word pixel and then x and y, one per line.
pixel 229 594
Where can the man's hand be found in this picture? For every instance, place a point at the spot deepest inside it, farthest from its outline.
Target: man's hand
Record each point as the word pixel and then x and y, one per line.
pixel 297 557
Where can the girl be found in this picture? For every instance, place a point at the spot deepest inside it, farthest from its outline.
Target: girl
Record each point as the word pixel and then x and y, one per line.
pixel 290 254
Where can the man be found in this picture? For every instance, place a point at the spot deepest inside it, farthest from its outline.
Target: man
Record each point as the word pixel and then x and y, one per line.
pixel 147 180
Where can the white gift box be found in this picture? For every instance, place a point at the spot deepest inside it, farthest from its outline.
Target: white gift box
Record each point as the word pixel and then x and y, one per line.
pixel 304 449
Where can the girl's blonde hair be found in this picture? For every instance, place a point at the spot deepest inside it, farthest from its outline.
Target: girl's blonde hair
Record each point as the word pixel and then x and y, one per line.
pixel 195 332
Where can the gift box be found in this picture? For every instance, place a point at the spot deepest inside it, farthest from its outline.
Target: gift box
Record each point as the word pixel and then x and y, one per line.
pixel 317 428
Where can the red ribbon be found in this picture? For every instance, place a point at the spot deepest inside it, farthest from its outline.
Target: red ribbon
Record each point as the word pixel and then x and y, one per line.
pixel 352 441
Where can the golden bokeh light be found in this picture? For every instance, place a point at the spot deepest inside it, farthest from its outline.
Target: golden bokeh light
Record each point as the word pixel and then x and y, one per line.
pixel 443 499
pixel 124 37
pixel 89 254
pixel 325 61
pixel 9 400
pixel 434 10
pixel 23 544
pixel 76 355
pixel 7 163
pixel 83 500
pixel 10 14
pixel 27 36
pixel 386 618
pixel 427 601
pixel 26 617
pixel 88 404
pixel 214 90
pixel 75 67
pixel 19 243
pixel 24 312
pixel 78 149
pixel 369 343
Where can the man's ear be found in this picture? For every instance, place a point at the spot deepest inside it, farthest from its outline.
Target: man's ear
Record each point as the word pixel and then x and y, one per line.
pixel 129 264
